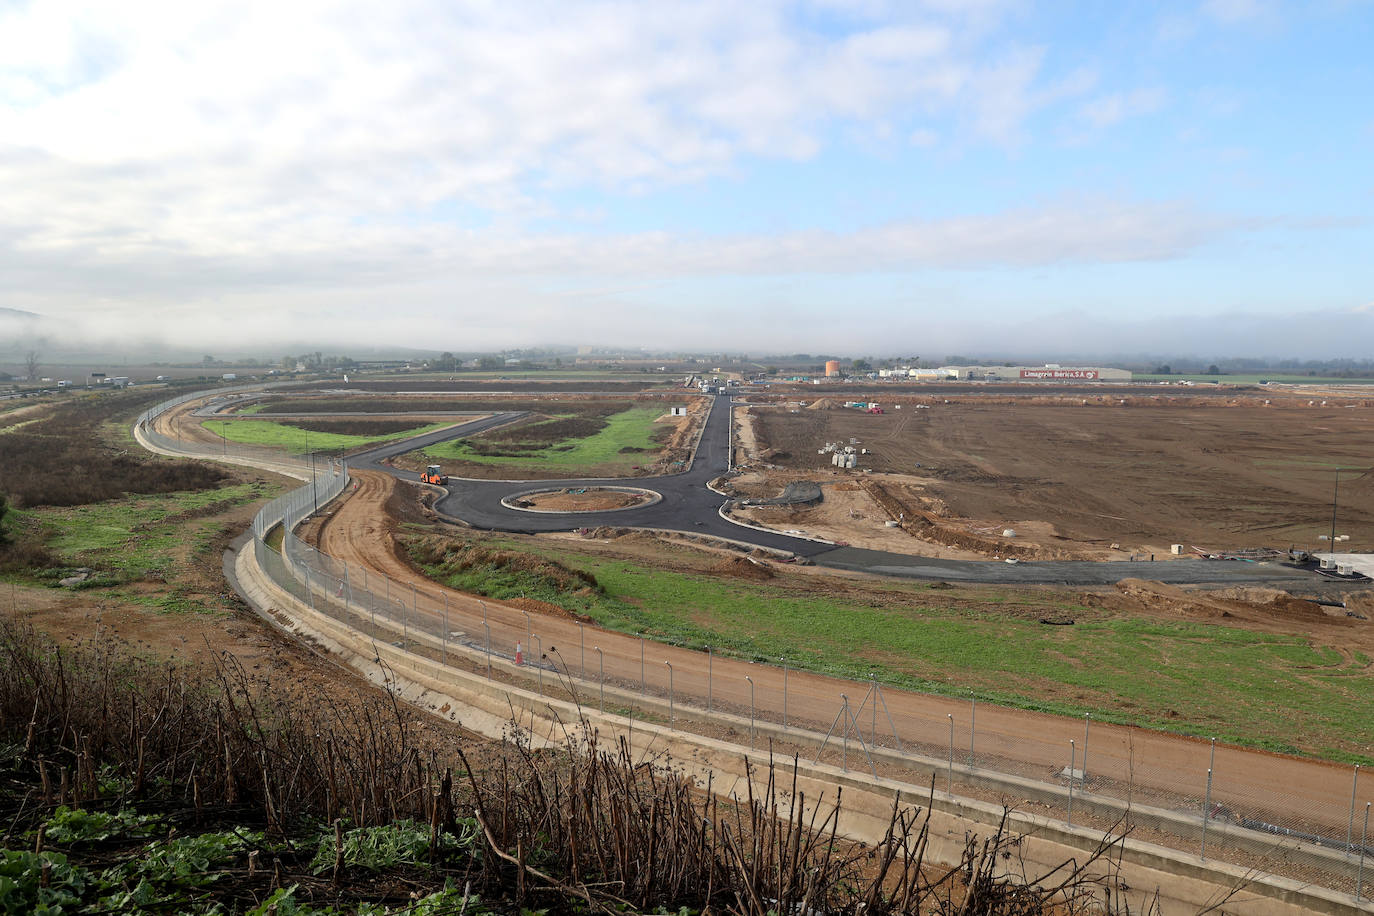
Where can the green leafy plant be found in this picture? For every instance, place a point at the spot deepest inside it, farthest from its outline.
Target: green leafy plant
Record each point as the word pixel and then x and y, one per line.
pixel 76 825
pixel 24 889
pixel 375 848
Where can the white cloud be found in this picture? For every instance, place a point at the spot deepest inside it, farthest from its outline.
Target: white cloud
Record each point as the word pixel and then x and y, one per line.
pixel 1232 12
pixel 1113 108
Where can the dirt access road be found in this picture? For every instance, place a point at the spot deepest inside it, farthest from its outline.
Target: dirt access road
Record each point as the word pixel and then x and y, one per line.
pixel 1304 793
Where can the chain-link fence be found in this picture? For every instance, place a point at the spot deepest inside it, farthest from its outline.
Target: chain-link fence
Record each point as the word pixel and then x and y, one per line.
pixel 1268 813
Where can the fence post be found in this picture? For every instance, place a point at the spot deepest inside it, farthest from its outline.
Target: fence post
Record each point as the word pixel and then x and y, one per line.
pixel 1364 839
pixel 601 662
pixel 949 771
pixel 671 717
pixel 873 726
pixel 1087 716
pixel 443 639
pixel 538 659
pixel 784 693
pixel 1073 759
pixel 582 640
pixel 710 676
pixel 972 724
pixel 641 664
pixel 844 739
pixel 1350 824
pixel 486 627
pixel 1206 813
pixel 751 711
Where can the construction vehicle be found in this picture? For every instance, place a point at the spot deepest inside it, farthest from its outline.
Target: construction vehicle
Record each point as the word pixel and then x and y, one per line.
pixel 874 409
pixel 434 474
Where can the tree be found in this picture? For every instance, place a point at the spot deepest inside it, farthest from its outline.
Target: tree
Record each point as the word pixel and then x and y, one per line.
pixel 862 365
pixel 490 362
pixel 1165 369
pixel 1213 370
pixel 445 362
pixel 31 365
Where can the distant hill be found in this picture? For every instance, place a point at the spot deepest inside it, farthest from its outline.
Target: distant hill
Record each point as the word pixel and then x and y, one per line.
pixel 19 314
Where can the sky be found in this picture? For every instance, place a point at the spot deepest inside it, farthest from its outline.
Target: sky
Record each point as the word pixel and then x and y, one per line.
pixel 868 178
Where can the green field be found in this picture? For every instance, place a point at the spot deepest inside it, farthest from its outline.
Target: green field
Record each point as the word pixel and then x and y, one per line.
pixel 298 441
pixel 629 429
pixel 1276 692
pixel 138 536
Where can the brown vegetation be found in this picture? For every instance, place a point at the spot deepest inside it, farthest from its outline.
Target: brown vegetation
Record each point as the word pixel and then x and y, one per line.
pixel 62 459
pixel 573 830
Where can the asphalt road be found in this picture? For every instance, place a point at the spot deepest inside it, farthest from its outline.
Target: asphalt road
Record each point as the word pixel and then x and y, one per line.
pixel 687 505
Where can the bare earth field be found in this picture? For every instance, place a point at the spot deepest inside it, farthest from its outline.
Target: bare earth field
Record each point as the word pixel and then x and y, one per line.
pixel 1073 477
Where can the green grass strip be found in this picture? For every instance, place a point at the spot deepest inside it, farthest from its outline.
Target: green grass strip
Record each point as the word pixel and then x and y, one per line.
pixel 298 441
pixel 632 428
pixel 1265 690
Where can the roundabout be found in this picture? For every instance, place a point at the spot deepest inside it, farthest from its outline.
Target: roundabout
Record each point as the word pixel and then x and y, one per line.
pixel 571 500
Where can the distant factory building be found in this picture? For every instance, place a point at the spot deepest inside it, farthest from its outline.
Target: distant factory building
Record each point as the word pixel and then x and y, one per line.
pixel 832 368
pixel 1051 372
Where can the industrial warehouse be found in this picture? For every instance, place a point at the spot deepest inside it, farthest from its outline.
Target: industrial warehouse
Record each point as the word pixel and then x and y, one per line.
pixel 1047 373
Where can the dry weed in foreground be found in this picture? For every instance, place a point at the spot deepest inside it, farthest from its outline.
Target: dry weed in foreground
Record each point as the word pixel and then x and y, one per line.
pixel 580 829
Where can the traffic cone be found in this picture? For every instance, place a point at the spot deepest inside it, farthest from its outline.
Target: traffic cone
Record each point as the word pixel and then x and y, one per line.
pixel 519 654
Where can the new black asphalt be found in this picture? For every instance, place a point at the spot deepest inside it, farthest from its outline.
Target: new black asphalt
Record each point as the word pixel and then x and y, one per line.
pixel 688 505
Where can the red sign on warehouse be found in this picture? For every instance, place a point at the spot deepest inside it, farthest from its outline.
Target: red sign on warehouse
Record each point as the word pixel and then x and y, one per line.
pixel 1059 373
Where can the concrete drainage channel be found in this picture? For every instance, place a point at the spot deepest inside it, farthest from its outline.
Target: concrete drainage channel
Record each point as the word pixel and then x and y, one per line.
pixel 487 707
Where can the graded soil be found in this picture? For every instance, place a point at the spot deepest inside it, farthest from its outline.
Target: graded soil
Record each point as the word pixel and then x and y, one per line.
pixel 1093 478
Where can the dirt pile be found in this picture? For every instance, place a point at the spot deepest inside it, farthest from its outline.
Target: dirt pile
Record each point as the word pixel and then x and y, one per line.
pixel 1258 608
pixel 743 568
pixel 921 524
pixel 1273 601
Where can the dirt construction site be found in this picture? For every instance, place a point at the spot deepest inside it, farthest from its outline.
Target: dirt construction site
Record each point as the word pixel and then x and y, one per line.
pixel 1069 477
pixel 1094 481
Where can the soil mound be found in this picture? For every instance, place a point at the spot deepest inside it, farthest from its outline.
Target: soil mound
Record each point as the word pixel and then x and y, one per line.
pixel 1262 606
pixel 823 404
pixel 1275 602
pixel 743 568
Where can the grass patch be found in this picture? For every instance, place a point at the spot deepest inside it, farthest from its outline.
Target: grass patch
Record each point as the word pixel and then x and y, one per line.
pixel 631 429
pixel 509 574
pixel 1258 689
pixel 297 440
pixel 138 537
